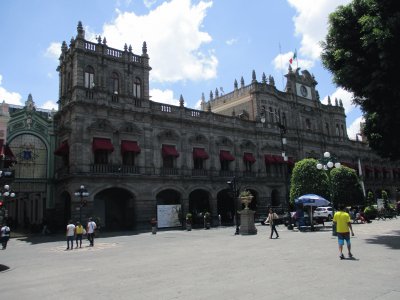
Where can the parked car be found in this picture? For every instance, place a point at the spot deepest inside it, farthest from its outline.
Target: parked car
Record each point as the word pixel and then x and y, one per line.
pixel 324 212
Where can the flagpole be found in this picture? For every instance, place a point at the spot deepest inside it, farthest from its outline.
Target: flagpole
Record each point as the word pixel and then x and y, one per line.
pixel 280 55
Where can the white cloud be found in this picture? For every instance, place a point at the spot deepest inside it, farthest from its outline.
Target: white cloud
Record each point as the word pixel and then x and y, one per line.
pixel 166 96
pixel 9 97
pixel 173 37
pixel 231 41
pixel 149 3
pixel 281 62
pixel 354 128
pixel 53 51
pixel 345 96
pixel 50 105
pixel 311 23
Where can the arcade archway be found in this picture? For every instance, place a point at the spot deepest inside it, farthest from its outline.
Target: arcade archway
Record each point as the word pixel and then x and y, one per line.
pixel 115 209
pixel 226 206
pixel 199 203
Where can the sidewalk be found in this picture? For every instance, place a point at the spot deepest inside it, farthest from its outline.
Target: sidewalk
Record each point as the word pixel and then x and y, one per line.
pixel 208 264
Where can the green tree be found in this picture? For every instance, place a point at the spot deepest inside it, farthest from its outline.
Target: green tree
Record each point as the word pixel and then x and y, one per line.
pixel 346 188
pixel 361 50
pixel 307 179
pixel 370 198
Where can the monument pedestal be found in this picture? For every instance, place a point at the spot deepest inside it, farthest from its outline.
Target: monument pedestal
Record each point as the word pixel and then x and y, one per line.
pixel 247 225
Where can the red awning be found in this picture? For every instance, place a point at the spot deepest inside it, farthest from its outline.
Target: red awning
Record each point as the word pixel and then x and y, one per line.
pixel 377 169
pixel 226 155
pixel 129 146
pixel 169 150
pixel 368 169
pixel 279 159
pixel 249 157
pixel 102 144
pixel 200 153
pixel 269 159
pixel 386 170
pixel 63 149
pixel 290 161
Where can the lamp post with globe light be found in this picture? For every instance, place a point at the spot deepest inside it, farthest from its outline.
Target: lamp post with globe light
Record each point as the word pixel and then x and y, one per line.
pixel 82 192
pixel 327 163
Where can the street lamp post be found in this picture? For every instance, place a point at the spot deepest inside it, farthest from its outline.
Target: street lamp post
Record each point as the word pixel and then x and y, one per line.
pixel 81 193
pixel 233 184
pixel 326 163
pixel 282 132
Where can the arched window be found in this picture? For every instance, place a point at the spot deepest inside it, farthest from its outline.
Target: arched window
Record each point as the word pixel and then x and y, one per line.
pixel 343 133
pixel 284 122
pixel 308 124
pixel 337 130
pixel 137 86
pixel 89 77
pixel 327 128
pixel 115 83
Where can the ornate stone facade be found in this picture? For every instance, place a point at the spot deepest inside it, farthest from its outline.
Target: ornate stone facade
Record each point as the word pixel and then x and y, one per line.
pixel 133 154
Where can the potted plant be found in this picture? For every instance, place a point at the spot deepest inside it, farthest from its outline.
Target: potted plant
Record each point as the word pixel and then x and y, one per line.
pixel 246 197
pixel 188 221
pixel 153 223
pixel 207 220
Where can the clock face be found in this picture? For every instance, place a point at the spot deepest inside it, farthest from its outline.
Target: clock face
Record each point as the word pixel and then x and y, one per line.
pixel 303 91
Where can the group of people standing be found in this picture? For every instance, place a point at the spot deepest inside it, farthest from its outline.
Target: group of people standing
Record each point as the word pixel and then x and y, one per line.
pixel 342 221
pixel 75 232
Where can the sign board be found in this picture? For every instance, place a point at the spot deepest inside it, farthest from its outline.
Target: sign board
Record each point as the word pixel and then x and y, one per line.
pixel 168 215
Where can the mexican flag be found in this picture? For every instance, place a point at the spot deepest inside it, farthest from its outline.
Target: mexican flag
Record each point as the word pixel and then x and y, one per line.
pixel 293 57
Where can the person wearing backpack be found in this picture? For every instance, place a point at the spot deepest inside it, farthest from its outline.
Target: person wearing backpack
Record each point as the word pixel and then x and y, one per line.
pixel 5 235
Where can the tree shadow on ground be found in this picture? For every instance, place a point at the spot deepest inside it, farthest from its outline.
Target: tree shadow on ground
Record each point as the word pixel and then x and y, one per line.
pixel 390 240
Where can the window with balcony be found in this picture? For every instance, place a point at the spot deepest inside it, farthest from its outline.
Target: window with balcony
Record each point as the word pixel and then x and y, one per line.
pixel 89 77
pixel 137 88
pixel 199 157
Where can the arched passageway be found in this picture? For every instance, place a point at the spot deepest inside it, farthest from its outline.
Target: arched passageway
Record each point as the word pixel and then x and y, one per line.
pixel 114 209
pixel 199 203
pixel 226 206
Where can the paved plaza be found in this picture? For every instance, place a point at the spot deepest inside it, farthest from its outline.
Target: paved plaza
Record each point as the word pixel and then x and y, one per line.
pixel 206 264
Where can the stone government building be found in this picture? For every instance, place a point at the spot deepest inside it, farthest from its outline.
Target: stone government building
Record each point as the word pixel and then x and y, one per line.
pixel 132 153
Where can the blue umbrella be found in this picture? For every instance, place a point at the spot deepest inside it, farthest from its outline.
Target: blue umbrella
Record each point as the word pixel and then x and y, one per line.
pixel 311 200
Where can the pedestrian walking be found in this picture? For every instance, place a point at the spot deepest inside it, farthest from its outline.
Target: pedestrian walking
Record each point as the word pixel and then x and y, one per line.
pixel 343 229
pixel 79 230
pixel 5 235
pixel 70 233
pixel 272 219
pixel 90 229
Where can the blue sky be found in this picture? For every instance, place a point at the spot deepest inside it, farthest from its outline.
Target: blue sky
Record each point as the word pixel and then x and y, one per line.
pixel 194 46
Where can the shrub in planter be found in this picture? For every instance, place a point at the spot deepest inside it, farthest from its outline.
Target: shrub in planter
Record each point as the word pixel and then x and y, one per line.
pixel 371 212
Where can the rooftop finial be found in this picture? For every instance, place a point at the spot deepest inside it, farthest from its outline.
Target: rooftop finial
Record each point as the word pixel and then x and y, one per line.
pixel 181 101
pixel 253 76
pixel 264 78
pixel 241 82
pixel 81 32
pixel 104 41
pixel 144 49
pixel 235 85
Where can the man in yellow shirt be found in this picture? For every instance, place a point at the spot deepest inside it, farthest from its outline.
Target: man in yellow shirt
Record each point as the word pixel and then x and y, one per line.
pixel 343 224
